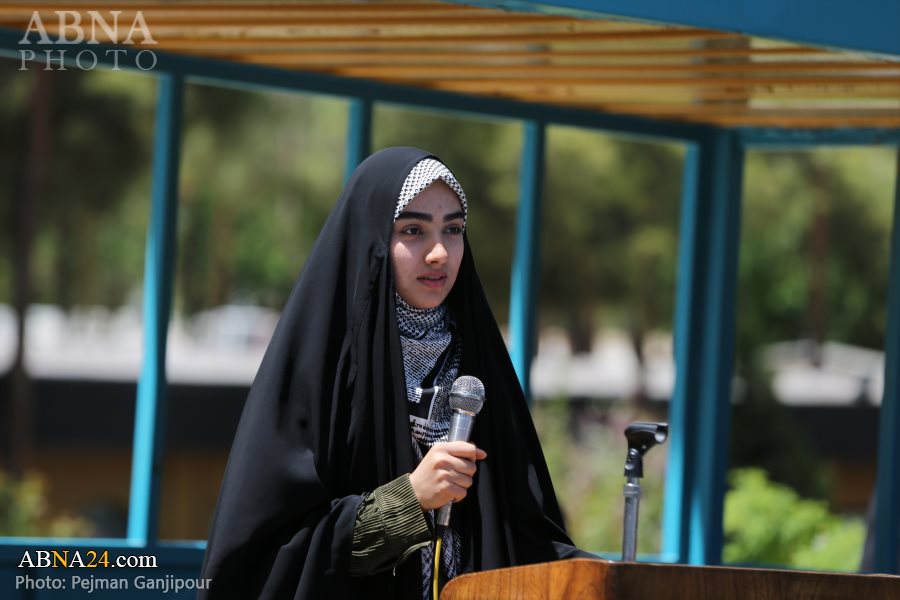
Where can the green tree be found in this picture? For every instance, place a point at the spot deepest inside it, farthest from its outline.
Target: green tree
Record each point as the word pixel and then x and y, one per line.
pixel 609 236
pixel 813 265
pixel 815 247
pixel 769 524
pixel 257 191
pixel 54 210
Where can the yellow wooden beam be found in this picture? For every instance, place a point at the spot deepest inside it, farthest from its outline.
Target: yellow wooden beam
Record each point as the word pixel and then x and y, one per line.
pixel 587 72
pixel 473 55
pixel 290 38
pixel 810 82
pixel 299 17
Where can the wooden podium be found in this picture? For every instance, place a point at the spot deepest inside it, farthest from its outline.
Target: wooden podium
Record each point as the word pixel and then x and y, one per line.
pixel 587 579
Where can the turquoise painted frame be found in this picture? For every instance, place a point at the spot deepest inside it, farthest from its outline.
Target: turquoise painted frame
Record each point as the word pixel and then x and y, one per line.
pixel 359 134
pixel 159 275
pixel 700 408
pixel 527 254
pixel 887 493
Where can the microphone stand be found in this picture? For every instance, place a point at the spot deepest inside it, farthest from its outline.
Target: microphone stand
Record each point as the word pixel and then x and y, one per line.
pixel 641 437
pixel 632 492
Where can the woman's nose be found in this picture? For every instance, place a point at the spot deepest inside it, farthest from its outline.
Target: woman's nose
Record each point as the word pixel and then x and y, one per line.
pixel 437 254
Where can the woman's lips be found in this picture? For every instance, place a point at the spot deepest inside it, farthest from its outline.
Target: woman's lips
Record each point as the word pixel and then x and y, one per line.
pixel 433 280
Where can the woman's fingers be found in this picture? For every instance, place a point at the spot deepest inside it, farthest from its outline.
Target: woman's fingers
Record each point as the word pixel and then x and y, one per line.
pixel 456 492
pixel 445 473
pixel 458 465
pixel 460 480
pixel 465 450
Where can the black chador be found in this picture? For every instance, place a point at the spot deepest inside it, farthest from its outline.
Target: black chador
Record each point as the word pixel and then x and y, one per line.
pixel 327 420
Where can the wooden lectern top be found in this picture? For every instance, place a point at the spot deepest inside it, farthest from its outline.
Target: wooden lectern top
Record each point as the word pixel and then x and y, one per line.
pixel 611 580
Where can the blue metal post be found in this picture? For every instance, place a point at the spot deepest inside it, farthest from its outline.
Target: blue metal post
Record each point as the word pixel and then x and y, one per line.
pixel 526 259
pixel 887 499
pixel 704 346
pixel 359 134
pixel 682 408
pixel 721 173
pixel 149 419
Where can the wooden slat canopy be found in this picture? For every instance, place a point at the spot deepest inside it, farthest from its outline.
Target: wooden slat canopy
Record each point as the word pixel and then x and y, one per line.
pixel 654 71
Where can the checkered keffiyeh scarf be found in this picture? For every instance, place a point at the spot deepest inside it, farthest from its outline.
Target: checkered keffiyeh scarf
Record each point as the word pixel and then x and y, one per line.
pixel 426 172
pixel 425 334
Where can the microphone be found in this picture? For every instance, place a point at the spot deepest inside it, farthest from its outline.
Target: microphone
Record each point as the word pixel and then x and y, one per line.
pixel 466 400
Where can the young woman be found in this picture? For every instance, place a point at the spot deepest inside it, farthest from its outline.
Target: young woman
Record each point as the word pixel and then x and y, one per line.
pixel 338 462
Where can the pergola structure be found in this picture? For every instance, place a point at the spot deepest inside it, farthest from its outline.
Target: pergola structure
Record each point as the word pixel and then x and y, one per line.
pixel 570 58
pixel 719 77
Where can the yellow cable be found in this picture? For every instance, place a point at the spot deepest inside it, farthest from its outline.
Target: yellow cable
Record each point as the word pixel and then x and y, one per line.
pixel 437 564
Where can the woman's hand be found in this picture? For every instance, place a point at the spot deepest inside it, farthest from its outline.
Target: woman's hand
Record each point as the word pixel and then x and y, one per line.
pixel 445 473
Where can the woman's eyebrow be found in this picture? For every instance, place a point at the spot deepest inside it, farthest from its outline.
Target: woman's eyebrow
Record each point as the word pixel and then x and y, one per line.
pixel 421 216
pixel 409 214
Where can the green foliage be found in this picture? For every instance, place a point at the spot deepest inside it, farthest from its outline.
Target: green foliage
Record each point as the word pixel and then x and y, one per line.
pixel 257 192
pixel 95 152
pixel 261 170
pixel 768 523
pixel 815 247
pixel 23 511
pixel 611 213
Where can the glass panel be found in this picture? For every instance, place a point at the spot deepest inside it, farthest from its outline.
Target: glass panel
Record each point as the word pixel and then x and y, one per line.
pixel 610 233
pixel 809 362
pixel 259 173
pixel 76 148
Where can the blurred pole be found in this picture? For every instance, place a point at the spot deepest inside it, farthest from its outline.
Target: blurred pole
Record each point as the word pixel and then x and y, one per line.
pixel 159 267
pixel 359 134
pixel 26 209
pixel 887 504
pixel 527 255
pixel 700 411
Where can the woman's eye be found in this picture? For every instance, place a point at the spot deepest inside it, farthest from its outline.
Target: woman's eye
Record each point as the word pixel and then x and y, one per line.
pixel 455 229
pixel 411 230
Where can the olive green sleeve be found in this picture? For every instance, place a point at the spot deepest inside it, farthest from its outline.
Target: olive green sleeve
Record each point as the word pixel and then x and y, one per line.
pixel 390 525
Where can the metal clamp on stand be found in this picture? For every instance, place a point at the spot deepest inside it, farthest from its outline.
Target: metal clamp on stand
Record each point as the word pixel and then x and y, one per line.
pixel 641 437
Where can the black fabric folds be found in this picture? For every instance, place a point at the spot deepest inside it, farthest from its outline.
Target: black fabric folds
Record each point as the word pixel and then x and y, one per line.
pixel 326 421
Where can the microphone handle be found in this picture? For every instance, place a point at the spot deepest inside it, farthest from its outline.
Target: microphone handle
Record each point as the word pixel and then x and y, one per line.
pixel 460 431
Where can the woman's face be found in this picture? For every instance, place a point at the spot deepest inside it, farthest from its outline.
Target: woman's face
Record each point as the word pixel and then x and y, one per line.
pixel 427 246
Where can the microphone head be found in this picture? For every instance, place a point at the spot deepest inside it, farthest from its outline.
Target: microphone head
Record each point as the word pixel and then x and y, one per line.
pixel 467 395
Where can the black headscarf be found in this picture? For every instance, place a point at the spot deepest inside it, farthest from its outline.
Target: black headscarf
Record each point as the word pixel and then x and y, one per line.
pixel 326 420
